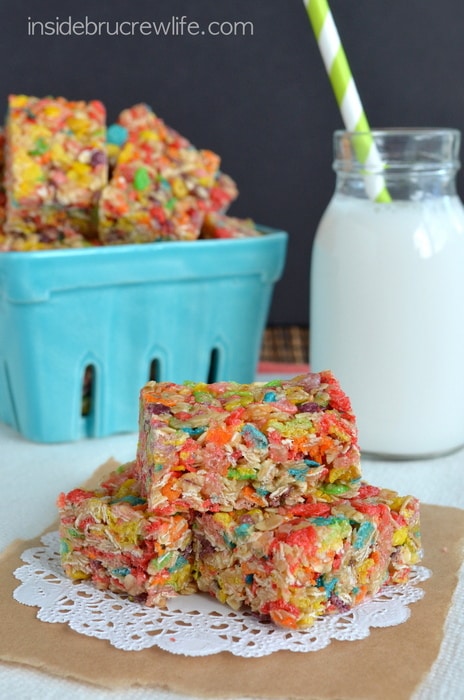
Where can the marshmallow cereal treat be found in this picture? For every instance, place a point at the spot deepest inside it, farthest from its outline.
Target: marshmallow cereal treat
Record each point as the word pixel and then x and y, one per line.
pixel 293 565
pixel 227 446
pixel 3 240
pixel 56 167
pixel 109 537
pixel 222 226
pixel 161 186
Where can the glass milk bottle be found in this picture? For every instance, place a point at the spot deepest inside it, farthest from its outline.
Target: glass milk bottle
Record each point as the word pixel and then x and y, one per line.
pixel 387 292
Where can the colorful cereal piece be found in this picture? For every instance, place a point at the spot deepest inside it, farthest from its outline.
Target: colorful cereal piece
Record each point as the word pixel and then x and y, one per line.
pixel 56 169
pixel 109 537
pixel 295 569
pixel 228 446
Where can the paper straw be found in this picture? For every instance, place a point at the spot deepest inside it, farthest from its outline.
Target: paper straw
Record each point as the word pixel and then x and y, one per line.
pixel 347 96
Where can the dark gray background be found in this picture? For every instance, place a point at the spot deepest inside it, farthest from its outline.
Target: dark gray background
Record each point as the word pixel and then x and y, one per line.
pixel 263 102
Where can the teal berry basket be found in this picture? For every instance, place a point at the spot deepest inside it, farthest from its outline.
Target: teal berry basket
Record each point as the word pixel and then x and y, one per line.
pixel 81 331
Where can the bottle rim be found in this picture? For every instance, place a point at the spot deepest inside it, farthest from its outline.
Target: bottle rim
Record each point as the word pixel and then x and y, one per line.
pixel 402 130
pixel 398 148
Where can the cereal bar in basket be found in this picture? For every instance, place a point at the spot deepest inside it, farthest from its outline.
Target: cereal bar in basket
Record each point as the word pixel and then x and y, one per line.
pixel 161 186
pixel 56 167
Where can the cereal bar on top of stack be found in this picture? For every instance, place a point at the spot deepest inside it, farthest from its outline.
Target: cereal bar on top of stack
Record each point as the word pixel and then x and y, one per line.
pixel 228 446
pixel 161 185
pixel 56 167
pixel 293 565
pixel 109 537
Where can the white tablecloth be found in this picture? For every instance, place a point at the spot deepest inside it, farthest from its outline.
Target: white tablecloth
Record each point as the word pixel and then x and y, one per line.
pixel 33 474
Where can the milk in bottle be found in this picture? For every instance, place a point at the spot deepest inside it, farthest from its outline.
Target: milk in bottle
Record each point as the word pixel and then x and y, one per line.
pixel 387 294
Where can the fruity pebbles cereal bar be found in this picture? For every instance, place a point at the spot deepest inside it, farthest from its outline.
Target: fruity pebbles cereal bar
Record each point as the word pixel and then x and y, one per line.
pixel 161 186
pixel 3 245
pixel 109 537
pixel 228 446
pixel 56 167
pixel 222 226
pixel 294 565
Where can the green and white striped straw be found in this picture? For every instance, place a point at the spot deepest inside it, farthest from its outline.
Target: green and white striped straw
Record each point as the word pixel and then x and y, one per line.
pixel 347 96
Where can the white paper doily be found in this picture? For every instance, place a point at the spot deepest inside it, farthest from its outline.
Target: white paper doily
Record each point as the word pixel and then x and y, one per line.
pixel 194 625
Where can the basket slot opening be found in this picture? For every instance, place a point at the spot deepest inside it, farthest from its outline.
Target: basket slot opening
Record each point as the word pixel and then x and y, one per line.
pixel 213 366
pixel 11 397
pixel 88 390
pixel 154 374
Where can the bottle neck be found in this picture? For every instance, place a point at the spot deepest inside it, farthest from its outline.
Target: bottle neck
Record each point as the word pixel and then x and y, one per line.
pixel 407 185
pixel 412 164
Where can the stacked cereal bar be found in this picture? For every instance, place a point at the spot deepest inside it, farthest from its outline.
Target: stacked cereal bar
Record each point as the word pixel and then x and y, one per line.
pixel 250 492
pixel 294 565
pixel 109 537
pixel 56 167
pixel 161 186
pixel 228 446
